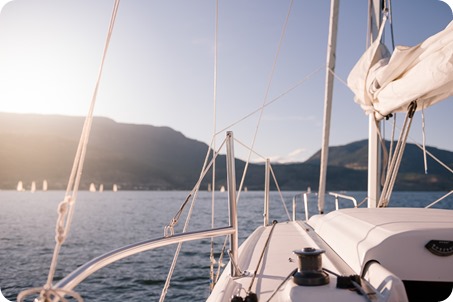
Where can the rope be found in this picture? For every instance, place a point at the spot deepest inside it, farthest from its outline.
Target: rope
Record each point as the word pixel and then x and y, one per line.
pixel 281 284
pixel 66 207
pixel 49 294
pixel 175 257
pixel 220 259
pixel 425 162
pixel 266 245
pixel 169 229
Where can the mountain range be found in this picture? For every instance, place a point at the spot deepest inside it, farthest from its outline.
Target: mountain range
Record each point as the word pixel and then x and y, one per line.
pixel 144 157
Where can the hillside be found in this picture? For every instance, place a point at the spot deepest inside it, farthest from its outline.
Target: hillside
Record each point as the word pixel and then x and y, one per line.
pixel 411 173
pixel 144 157
pixel 38 147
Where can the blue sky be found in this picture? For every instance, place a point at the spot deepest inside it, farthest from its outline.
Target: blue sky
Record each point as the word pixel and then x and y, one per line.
pixel 160 66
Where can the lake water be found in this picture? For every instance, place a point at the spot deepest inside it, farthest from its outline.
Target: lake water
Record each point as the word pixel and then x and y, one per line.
pixel 106 221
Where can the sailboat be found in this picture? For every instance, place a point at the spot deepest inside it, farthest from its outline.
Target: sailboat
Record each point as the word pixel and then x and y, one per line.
pixel 33 187
pixel 351 254
pixel 44 185
pixel 20 186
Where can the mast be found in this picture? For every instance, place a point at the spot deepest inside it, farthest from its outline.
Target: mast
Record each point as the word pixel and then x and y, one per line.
pixel 374 154
pixel 330 68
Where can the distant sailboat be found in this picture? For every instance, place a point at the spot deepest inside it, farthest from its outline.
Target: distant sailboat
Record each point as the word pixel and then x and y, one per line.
pixel 101 188
pixel 222 189
pixel 33 186
pixel 44 185
pixel 20 186
pixel 92 187
pixel 115 188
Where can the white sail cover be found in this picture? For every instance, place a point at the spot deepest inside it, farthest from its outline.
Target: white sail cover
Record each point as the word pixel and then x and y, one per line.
pixel 423 73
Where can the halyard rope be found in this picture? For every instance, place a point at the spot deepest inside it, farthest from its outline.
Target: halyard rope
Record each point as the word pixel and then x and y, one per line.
pixel 66 207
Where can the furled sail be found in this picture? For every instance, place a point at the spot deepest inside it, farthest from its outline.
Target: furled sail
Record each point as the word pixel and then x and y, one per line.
pixel 383 84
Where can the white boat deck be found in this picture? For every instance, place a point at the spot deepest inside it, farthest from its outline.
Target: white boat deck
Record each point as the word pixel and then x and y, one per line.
pixel 364 235
pixel 277 264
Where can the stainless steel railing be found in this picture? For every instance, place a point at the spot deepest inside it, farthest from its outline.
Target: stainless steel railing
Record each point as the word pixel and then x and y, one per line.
pixel 80 274
pixel 304 196
pixel 338 196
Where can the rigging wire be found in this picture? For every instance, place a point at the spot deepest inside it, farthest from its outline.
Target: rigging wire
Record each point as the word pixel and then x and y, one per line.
pixel 280 192
pixel 273 176
pixel 279 97
pixel 432 156
pixel 194 192
pixel 204 171
pixel 439 199
pixel 266 96
pixel 214 127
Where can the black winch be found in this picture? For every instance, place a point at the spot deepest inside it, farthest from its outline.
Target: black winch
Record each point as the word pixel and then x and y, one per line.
pixel 310 271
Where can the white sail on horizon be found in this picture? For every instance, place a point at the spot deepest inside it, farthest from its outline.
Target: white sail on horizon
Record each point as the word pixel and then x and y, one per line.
pixel 20 186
